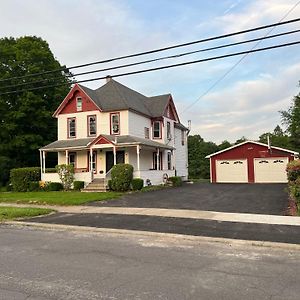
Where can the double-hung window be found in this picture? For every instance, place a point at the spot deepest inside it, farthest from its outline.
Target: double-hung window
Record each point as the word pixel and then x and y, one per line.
pixel 79 104
pixel 169 160
pixel 92 125
pixel 72 159
pixel 115 123
pixel 156 130
pixel 71 127
pixel 147 133
pixel 182 137
pixel 169 137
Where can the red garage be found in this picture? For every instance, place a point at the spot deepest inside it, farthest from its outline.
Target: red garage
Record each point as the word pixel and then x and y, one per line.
pixel 250 162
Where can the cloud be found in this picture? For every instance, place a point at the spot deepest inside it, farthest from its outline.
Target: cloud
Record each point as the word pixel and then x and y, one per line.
pixel 247 108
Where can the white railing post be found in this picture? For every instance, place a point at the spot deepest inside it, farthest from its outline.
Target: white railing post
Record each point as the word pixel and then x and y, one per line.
pixel 67 157
pixel 157 160
pixel 44 162
pixel 138 157
pixel 115 155
pixel 41 164
pixel 91 164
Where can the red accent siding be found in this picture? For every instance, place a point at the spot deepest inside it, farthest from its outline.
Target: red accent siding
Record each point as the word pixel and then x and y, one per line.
pixel 102 140
pixel 247 151
pixel 71 106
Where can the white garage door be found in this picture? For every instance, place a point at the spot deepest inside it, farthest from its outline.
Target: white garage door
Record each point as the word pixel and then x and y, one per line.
pixel 270 169
pixel 232 170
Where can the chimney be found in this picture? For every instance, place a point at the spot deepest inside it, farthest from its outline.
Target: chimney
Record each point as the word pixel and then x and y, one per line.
pixel 108 78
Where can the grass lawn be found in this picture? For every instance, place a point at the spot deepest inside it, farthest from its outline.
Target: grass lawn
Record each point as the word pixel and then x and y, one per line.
pixel 56 198
pixel 11 213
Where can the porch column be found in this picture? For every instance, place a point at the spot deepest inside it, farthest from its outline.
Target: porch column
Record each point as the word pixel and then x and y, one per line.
pixel 157 159
pixel 44 162
pixel 138 157
pixel 41 164
pixel 91 164
pixel 67 157
pixel 115 155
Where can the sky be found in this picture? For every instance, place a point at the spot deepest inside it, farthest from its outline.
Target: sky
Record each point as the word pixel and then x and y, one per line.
pixel 246 102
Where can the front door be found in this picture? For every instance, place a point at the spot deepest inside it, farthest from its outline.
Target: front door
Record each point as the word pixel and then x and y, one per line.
pixel 120 157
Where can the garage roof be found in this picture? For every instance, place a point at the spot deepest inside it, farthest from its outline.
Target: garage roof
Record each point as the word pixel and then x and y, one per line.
pixel 253 142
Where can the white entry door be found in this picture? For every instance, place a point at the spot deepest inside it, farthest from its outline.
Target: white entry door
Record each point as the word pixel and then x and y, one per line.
pixel 232 170
pixel 270 169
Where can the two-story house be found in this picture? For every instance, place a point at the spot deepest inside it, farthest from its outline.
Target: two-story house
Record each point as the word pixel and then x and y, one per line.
pixel 115 124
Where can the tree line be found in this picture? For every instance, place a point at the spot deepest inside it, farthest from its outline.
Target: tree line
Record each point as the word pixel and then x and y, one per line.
pixel 26 122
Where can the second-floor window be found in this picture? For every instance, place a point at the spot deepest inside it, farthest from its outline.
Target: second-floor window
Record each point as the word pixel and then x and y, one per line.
pixel 79 104
pixel 115 123
pixel 156 130
pixel 147 135
pixel 92 125
pixel 71 127
pixel 169 130
pixel 182 137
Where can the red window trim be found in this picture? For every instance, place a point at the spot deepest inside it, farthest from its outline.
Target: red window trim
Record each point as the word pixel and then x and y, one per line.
pixel 110 123
pixel 160 130
pixel 68 125
pixel 88 125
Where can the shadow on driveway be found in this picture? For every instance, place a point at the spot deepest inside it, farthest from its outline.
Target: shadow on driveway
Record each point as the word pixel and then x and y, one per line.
pixel 269 199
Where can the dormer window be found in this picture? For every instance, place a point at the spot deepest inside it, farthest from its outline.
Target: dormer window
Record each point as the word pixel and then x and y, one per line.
pixel 79 104
pixel 156 129
pixel 71 127
pixel 115 123
pixel 92 125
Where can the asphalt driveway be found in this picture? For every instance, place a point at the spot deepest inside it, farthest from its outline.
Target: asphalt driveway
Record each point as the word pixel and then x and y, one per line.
pixel 237 198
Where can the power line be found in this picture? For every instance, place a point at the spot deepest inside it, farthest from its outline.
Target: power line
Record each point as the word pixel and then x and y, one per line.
pixel 157 59
pixel 64 69
pixel 238 62
pixel 161 68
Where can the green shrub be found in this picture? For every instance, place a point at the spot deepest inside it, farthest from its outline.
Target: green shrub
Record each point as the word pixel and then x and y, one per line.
pixel 54 186
pixel 50 170
pixel 176 180
pixel 293 170
pixel 78 185
pixel 137 184
pixel 21 177
pixel 109 184
pixel 34 186
pixel 121 177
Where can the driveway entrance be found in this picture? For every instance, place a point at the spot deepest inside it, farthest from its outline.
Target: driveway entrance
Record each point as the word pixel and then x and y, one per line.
pixel 269 199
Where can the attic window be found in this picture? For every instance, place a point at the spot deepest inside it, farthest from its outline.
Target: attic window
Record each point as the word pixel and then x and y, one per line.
pixel 79 103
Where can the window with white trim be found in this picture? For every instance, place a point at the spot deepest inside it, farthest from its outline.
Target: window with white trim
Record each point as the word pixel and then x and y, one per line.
pixel 115 123
pixel 169 160
pixel 169 136
pixel 92 125
pixel 71 127
pixel 156 129
pixel 147 135
pixel 79 104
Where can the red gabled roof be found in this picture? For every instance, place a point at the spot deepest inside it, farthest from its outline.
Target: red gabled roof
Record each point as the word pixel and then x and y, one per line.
pixel 252 142
pixel 69 96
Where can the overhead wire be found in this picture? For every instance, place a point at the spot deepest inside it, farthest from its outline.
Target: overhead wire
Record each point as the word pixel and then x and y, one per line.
pixel 66 69
pixel 161 67
pixel 157 59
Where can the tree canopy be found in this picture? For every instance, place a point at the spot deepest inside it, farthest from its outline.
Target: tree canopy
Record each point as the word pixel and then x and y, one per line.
pixel 26 121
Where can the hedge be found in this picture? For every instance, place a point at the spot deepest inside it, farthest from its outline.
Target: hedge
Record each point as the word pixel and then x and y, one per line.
pixel 137 184
pixel 34 186
pixel 78 185
pixel 176 180
pixel 54 186
pixel 293 174
pixel 20 178
pixel 121 177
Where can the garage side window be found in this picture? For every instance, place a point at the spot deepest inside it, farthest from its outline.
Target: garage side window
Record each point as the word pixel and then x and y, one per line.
pixel 224 163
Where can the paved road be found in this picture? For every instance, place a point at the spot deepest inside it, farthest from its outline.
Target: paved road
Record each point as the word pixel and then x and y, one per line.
pixel 187 226
pixel 239 198
pixel 48 265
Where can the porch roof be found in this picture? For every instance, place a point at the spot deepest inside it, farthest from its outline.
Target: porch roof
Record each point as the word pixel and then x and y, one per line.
pixel 130 140
pixel 67 144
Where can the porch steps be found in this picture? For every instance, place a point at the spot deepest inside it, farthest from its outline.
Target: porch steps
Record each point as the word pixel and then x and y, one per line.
pixel 97 185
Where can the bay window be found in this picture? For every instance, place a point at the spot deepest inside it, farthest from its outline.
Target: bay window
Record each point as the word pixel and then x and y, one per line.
pixel 156 129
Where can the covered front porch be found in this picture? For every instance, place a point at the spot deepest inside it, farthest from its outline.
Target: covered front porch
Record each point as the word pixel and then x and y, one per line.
pixel 94 159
